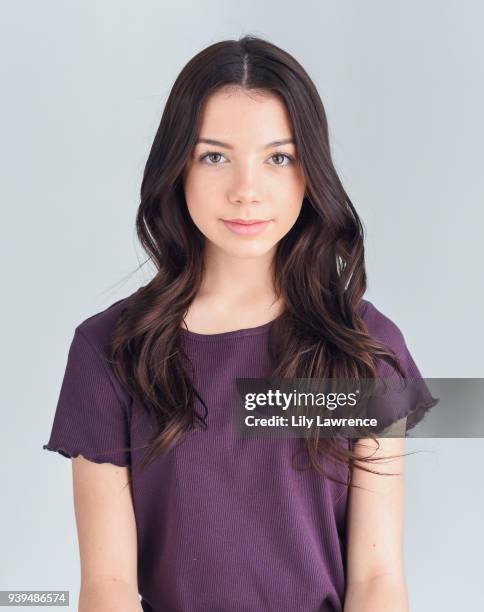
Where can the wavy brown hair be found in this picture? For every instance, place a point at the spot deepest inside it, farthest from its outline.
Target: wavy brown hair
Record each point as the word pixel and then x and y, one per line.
pixel 318 268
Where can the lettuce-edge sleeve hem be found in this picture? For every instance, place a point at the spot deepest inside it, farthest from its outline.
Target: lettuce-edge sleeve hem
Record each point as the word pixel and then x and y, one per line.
pixel 413 402
pixel 419 411
pixel 95 458
pixel 405 394
pixel 91 417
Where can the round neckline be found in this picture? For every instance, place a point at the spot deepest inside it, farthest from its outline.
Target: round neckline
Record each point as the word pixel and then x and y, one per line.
pixel 235 333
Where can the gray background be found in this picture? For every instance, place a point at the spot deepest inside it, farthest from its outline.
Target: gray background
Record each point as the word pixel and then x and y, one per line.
pixel 83 86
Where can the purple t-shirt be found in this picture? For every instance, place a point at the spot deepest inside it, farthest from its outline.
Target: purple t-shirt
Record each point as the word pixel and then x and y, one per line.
pixel 224 523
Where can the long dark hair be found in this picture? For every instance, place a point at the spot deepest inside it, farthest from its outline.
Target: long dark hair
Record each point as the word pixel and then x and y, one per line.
pixel 319 269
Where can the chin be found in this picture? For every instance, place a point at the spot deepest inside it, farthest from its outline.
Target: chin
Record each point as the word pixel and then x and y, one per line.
pixel 249 250
pixel 237 248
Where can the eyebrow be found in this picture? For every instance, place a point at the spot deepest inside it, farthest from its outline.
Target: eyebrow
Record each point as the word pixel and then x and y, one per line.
pixel 225 145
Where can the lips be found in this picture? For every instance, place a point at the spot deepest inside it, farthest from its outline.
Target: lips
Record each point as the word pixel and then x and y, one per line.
pixel 247 228
pixel 247 222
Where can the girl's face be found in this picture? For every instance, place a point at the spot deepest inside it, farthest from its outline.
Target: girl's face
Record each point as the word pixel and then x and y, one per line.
pixel 244 174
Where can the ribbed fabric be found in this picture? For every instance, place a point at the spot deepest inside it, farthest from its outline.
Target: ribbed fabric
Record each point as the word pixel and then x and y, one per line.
pixel 223 523
pixel 90 418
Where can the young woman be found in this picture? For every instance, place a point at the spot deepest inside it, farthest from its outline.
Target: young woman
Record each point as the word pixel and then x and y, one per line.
pixel 260 273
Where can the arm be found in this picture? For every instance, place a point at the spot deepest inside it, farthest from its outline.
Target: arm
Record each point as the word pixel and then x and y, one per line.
pixel 106 529
pixel 375 568
pixel 109 595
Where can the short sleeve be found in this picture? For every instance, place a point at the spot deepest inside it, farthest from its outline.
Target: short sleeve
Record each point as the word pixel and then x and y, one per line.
pixel 397 398
pixel 91 418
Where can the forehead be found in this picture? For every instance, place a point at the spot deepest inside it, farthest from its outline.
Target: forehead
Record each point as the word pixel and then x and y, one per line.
pixel 240 116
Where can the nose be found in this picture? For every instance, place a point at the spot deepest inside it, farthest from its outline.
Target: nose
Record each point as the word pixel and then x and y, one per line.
pixel 245 187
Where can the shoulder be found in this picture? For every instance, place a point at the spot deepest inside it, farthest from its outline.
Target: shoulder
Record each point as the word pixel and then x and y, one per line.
pixel 383 328
pixel 97 329
pixel 380 326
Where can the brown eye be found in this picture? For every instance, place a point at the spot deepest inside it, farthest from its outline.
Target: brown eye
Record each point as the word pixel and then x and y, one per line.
pixel 282 155
pixel 211 155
